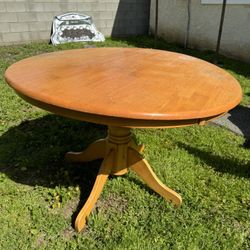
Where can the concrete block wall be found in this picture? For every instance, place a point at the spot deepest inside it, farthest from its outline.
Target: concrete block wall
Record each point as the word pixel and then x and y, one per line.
pixel 30 20
pixel 204 26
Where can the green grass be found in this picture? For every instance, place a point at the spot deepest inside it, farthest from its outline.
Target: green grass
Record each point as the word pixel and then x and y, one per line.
pixel 41 193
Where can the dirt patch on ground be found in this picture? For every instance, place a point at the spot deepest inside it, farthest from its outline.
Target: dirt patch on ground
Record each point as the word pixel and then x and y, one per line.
pixel 41 242
pixel 68 233
pixel 113 202
pixel 70 208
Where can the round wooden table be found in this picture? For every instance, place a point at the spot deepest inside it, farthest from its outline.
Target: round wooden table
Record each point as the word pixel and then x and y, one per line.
pixel 124 88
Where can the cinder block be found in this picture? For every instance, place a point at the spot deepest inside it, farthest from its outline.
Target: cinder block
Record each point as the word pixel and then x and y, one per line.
pixel 8 17
pixel 4 27
pixel 34 35
pixel 94 15
pixel 106 31
pixel 98 6
pixel 123 17
pixel 44 35
pixel 84 6
pixel 45 16
pixel 52 7
pixel 68 7
pixel 80 1
pixel 35 7
pixel 19 27
pixel 27 17
pixel 100 24
pixel 106 14
pixel 39 35
pixel 11 37
pixel 112 6
pixel 46 1
pixel 110 23
pixel 47 25
pixel 15 6
pixel 114 1
pixel 37 26
pixel 25 36
pixel 2 7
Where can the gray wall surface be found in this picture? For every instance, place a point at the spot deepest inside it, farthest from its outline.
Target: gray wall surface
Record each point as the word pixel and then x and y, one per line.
pixel 204 26
pixel 30 20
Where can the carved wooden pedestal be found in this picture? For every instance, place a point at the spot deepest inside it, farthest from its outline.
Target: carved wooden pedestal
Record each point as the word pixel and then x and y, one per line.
pixel 120 153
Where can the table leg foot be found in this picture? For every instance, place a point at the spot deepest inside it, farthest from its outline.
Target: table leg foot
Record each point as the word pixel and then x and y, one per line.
pixel 100 181
pixel 143 169
pixel 94 151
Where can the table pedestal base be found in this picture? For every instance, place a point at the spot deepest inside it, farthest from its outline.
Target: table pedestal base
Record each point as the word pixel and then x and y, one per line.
pixel 120 153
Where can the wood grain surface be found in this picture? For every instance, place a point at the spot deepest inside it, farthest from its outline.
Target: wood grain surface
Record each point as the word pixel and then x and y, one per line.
pixel 129 84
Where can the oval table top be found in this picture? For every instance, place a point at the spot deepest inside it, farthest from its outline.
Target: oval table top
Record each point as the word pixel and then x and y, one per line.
pixel 133 87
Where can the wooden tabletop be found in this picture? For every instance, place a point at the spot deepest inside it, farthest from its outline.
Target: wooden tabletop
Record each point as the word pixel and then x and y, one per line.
pixel 105 85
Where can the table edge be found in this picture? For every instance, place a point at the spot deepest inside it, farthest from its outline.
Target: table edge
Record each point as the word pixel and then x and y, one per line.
pixel 162 118
pixel 116 121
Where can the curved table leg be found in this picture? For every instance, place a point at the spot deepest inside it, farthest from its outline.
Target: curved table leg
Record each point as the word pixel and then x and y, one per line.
pixel 143 169
pixel 120 152
pixel 94 151
pixel 100 181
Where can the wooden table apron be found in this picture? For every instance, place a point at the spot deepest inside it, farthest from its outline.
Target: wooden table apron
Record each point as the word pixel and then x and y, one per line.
pixel 124 88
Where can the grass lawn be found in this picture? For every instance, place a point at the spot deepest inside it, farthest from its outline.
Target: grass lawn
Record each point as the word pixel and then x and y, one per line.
pixel 41 192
